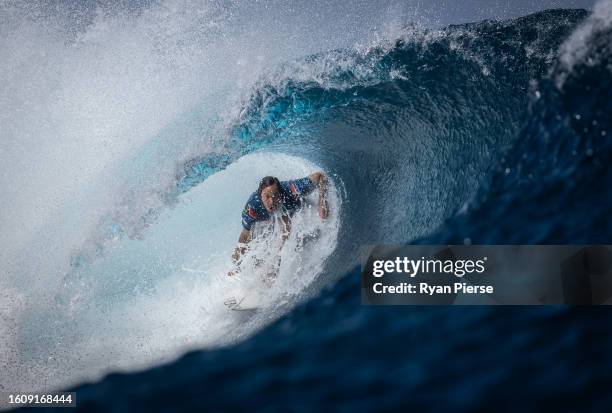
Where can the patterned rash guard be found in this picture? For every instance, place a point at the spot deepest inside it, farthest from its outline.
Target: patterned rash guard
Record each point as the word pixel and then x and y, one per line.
pixel 292 193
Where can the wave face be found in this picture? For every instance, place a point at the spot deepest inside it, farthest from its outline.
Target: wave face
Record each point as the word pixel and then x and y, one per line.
pixel 492 132
pixel 546 189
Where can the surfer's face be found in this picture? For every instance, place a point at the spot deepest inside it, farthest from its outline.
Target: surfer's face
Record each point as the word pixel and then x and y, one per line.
pixel 271 197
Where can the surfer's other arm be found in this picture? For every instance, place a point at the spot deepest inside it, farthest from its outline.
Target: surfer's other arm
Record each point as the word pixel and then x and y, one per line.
pixel 319 179
pixel 243 240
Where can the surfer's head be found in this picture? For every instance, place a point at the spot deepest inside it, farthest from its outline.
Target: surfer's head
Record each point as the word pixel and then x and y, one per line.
pixel 270 193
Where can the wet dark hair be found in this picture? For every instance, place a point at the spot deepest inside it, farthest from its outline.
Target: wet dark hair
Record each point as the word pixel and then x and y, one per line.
pixel 267 181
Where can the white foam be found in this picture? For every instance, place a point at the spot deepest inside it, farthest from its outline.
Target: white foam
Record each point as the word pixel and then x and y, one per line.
pixel 147 301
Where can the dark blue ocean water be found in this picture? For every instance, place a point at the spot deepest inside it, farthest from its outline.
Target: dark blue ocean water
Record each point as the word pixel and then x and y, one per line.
pixel 490 128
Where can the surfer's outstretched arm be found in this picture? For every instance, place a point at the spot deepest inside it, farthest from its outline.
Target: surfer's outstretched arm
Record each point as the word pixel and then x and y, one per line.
pixel 320 180
pixel 243 240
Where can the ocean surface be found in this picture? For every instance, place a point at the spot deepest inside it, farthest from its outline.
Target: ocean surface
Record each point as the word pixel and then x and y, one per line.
pixel 493 132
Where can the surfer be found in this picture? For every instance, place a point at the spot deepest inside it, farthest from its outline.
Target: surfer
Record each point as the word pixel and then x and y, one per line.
pixel 283 197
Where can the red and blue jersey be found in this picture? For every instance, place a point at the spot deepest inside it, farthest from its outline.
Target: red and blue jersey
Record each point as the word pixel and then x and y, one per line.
pixel 292 193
